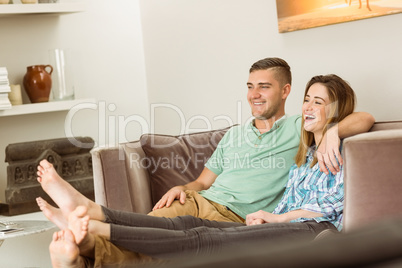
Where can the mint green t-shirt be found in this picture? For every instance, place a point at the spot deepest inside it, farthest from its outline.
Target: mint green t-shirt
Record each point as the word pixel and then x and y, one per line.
pixel 253 168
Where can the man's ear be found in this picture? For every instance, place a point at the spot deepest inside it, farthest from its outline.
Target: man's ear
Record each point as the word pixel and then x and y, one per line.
pixel 286 91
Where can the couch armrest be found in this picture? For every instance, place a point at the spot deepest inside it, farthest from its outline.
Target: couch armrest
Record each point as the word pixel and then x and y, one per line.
pixel 119 181
pixel 110 179
pixel 373 177
pixel 139 181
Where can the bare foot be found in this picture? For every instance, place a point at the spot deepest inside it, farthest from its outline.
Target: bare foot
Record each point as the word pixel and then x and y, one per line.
pixel 78 221
pixel 63 194
pixel 52 213
pixel 64 253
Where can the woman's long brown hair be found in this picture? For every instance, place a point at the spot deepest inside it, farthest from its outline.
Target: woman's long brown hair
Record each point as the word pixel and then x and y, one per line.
pixel 343 100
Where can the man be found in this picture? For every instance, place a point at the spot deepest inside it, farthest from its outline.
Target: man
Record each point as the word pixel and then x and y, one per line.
pixel 249 169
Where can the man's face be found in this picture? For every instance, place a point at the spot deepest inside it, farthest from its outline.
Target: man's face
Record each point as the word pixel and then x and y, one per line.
pixel 265 94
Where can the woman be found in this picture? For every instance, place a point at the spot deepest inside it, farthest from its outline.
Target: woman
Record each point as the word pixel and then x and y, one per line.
pixel 312 202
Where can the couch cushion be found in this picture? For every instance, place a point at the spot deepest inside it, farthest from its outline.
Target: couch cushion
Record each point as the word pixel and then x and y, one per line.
pixel 177 160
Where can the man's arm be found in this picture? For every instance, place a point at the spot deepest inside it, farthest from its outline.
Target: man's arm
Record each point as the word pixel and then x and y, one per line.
pixel 203 182
pixel 328 152
pixel 355 123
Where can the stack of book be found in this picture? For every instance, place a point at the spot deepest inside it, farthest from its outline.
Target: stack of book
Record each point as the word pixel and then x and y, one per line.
pixel 4 89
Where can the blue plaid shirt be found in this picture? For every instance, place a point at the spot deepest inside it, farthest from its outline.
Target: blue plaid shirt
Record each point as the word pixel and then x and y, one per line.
pixel 312 190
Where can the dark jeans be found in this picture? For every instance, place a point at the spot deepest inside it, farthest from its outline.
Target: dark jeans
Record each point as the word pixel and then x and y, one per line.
pixel 184 235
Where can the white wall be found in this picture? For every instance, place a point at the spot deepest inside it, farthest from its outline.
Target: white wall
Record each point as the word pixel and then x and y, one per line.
pixel 108 41
pixel 198 54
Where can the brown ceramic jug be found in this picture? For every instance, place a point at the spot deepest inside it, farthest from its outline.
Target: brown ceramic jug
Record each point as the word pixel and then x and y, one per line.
pixel 38 82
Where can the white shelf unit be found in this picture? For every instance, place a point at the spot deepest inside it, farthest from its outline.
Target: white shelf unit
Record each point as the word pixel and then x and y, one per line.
pixel 44 107
pixel 63 7
pixel 56 8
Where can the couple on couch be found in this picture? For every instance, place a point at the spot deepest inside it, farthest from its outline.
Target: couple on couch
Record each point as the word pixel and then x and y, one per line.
pixel 228 204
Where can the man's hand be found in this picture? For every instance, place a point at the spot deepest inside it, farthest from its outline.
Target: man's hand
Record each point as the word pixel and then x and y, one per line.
pixel 328 153
pixel 168 198
pixel 203 182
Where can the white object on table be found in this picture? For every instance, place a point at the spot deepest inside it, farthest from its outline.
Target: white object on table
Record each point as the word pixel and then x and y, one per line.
pixel 29 227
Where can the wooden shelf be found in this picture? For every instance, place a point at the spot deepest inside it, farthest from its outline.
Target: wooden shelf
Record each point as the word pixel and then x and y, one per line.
pixel 44 107
pixel 56 8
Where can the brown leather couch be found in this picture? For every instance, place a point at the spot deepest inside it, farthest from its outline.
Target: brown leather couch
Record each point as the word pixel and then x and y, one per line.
pixel 126 179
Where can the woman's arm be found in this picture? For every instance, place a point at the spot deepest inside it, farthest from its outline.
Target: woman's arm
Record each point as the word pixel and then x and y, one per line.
pixel 266 217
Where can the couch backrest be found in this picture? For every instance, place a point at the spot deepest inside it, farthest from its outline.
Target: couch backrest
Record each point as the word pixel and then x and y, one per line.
pixel 385 125
pixel 177 160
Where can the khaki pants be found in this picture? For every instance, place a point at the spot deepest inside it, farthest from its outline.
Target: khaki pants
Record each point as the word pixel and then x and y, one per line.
pixel 199 207
pixel 109 255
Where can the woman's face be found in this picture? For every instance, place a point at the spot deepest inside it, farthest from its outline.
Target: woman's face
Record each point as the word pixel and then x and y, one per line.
pixel 314 109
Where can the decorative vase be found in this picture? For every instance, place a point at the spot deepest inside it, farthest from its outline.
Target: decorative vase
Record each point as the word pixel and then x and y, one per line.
pixel 38 82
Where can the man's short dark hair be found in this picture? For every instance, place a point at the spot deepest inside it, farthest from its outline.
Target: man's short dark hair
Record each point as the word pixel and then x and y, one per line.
pixel 280 66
